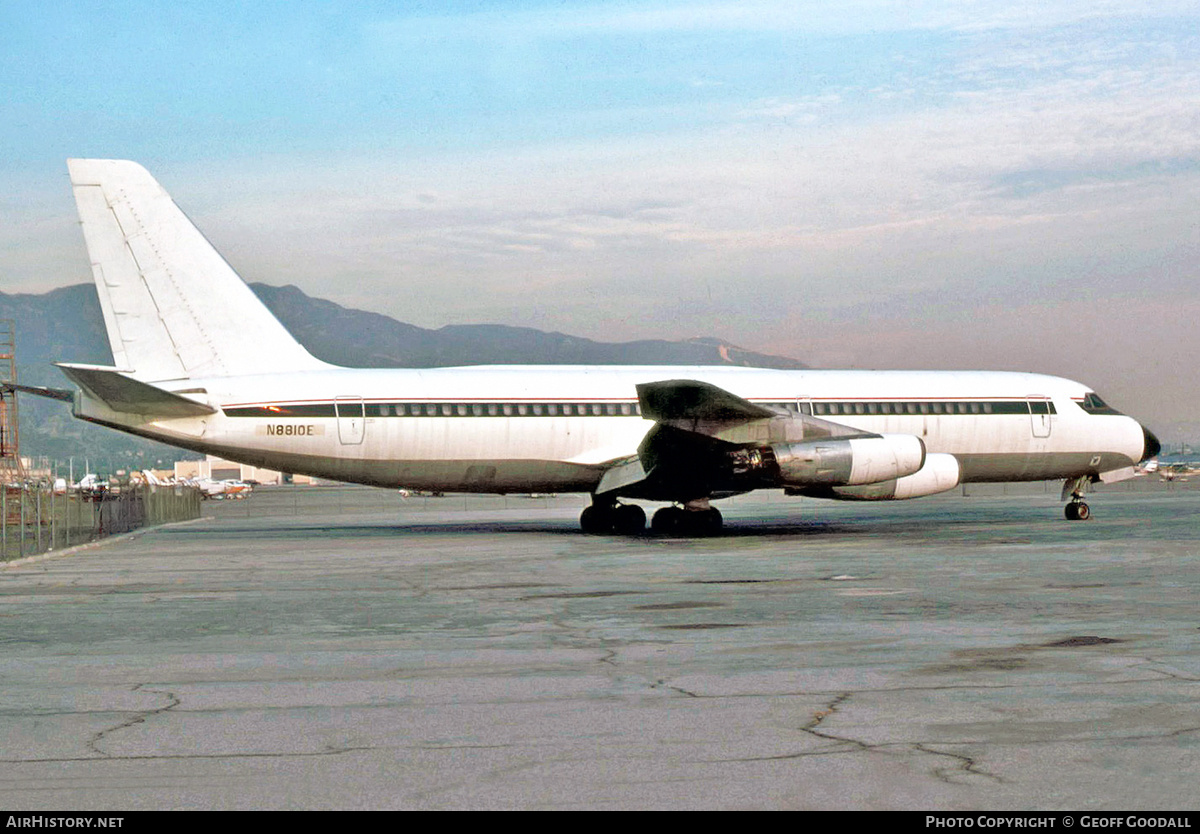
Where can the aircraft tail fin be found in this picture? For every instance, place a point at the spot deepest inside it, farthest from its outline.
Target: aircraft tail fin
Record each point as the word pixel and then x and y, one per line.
pixel 173 307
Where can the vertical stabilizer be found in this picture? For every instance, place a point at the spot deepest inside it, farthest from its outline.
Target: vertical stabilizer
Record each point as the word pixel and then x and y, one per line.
pixel 173 307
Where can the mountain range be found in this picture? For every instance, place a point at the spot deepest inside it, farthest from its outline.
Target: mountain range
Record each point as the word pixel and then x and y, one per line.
pixel 66 325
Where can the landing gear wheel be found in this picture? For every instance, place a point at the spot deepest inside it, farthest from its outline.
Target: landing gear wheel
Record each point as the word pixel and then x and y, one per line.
pixel 667 521
pixel 1077 511
pixel 673 521
pixel 628 520
pixel 595 521
pixel 604 520
pixel 713 522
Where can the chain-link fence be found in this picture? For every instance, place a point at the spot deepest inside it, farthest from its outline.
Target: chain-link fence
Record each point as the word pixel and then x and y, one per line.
pixel 37 518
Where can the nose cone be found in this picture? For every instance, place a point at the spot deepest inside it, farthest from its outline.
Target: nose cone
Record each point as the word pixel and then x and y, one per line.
pixel 1152 447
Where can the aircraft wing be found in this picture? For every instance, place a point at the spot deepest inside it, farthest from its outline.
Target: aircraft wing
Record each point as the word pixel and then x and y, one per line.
pixel 700 436
pixel 687 399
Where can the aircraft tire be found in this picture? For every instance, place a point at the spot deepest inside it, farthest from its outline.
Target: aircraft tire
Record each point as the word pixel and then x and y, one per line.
pixel 595 521
pixel 628 520
pixel 712 522
pixel 1077 511
pixel 672 521
pixel 667 521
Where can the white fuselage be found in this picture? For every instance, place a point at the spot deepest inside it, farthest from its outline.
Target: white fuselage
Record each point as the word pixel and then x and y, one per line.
pixel 557 428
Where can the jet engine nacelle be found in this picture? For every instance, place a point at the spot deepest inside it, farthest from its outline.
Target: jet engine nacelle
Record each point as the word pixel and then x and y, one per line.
pixel 940 473
pixel 850 461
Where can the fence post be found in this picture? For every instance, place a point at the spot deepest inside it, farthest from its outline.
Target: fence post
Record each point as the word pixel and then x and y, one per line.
pixel 21 544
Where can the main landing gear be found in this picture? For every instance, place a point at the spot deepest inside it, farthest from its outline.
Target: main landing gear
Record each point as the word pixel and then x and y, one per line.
pixel 606 519
pixel 694 518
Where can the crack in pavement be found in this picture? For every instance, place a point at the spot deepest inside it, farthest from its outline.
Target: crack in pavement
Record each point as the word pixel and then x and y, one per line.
pixel 966 765
pixel 93 743
pixel 662 684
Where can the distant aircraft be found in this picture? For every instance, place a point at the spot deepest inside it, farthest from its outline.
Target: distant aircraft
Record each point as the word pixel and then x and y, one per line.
pixel 1174 468
pixel 200 363
pixel 222 489
pixel 91 485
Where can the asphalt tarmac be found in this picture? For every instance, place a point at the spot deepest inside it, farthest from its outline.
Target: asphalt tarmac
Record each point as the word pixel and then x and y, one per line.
pixel 347 648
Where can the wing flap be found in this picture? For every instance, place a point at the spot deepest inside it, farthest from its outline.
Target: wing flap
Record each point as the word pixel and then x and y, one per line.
pixel 623 474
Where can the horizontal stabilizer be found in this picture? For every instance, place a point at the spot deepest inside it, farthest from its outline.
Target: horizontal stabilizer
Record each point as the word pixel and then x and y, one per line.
pixel 40 391
pixel 122 393
pixel 687 399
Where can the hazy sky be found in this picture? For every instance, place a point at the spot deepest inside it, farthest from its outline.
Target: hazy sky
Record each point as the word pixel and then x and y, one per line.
pixel 984 184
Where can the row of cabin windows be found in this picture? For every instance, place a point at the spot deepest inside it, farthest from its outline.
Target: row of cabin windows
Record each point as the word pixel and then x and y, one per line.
pixel 906 408
pixel 577 409
pixel 356 408
pixel 502 409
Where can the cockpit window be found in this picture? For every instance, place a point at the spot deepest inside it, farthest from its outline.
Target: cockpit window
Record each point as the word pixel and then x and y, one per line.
pixel 1092 404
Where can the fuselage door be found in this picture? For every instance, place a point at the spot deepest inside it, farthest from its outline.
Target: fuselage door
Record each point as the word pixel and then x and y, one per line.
pixel 351 420
pixel 1041 411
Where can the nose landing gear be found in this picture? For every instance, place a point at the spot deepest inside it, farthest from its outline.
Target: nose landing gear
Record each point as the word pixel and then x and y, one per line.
pixel 1077 510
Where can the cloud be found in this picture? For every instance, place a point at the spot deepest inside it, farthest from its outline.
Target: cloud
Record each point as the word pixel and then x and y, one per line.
pixel 768 172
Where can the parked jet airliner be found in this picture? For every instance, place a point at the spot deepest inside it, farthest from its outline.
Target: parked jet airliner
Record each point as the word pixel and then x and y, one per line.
pixel 200 363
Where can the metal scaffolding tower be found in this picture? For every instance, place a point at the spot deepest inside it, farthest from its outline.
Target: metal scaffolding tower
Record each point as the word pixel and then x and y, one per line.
pixel 11 470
